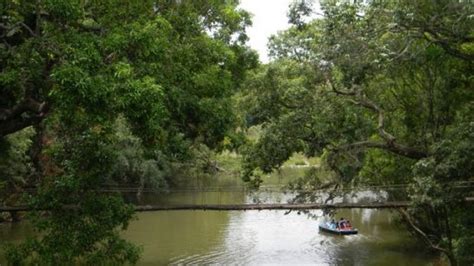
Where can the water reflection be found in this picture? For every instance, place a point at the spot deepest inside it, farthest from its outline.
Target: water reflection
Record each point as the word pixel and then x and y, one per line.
pixel 267 237
pixel 270 237
pixel 165 237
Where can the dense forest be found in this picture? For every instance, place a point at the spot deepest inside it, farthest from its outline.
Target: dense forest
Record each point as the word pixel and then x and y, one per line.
pixel 115 93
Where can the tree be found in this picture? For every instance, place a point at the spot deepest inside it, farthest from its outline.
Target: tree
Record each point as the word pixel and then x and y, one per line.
pixel 389 84
pixel 70 68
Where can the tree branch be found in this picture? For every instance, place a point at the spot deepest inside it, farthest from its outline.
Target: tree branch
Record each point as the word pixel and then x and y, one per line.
pixel 443 40
pixel 337 91
pixel 24 114
pixel 359 98
pixel 32 33
pixel 420 232
pixel 28 104
pixel 453 51
pixel 38 17
pixel 14 125
pixel 364 101
pixel 16 25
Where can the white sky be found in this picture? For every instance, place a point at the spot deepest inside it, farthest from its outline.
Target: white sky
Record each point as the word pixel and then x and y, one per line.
pixel 269 17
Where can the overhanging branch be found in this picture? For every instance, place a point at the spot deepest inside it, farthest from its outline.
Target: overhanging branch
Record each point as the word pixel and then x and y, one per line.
pixel 28 104
pixel 358 97
pixel 26 113
pixel 14 125
pixel 420 232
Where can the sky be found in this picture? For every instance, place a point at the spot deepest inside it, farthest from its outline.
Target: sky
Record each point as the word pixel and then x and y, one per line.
pixel 269 17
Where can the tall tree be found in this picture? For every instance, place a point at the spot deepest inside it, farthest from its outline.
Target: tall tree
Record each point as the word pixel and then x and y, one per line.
pixel 70 68
pixel 389 88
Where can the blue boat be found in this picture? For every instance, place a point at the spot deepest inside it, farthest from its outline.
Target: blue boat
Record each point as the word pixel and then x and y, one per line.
pixel 331 228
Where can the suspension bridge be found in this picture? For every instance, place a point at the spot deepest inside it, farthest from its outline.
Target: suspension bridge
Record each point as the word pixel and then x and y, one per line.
pixel 375 204
pixel 244 207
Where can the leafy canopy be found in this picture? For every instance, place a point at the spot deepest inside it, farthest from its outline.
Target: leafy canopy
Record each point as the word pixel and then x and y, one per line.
pixel 167 69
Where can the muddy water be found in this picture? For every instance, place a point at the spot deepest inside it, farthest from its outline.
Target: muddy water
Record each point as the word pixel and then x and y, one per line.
pixel 268 237
pixel 257 237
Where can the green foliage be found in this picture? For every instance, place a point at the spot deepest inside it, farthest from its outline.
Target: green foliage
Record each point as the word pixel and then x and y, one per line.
pixel 92 238
pixel 15 164
pixel 383 92
pixel 453 155
pixel 299 10
pixel 166 69
pixel 296 115
pixel 381 167
pixel 82 225
pixel 132 167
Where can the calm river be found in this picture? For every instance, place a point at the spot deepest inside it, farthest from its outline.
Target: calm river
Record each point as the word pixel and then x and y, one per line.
pixel 257 237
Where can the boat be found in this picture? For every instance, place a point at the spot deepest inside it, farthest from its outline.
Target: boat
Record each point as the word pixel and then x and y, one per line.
pixel 330 228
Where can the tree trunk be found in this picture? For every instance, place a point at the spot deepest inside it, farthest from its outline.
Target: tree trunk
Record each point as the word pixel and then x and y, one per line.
pixel 35 153
pixel 451 258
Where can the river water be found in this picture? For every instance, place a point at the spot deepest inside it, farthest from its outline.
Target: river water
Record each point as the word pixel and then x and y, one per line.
pixel 257 237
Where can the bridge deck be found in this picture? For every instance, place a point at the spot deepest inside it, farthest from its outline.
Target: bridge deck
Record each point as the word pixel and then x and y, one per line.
pixel 271 206
pixel 244 207
pixel 257 206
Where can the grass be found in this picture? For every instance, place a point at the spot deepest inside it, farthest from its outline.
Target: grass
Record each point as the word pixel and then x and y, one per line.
pixel 300 160
pixel 229 161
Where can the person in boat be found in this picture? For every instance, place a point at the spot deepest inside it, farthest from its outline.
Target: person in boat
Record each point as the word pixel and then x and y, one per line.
pixel 348 224
pixel 342 223
pixel 333 224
